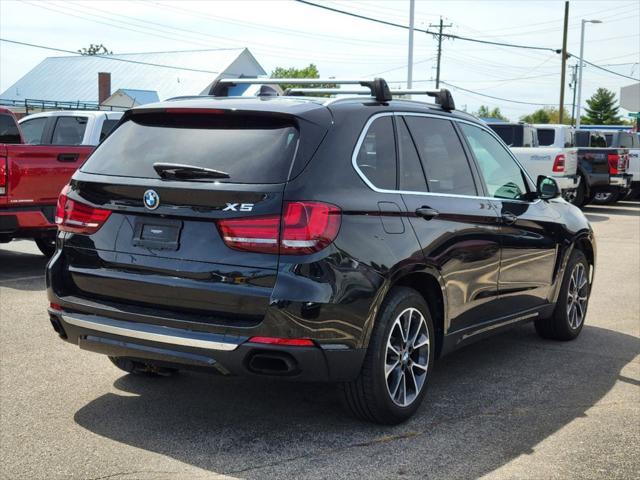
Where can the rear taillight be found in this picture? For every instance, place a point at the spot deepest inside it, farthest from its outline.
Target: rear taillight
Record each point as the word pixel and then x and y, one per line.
pixel 558 164
pixel 77 217
pixel 4 175
pixel 616 163
pixel 303 228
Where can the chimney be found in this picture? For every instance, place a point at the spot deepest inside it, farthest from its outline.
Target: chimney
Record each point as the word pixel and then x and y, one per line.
pixel 104 86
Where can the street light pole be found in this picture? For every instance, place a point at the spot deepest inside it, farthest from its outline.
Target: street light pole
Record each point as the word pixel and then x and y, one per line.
pixel 578 113
pixel 410 66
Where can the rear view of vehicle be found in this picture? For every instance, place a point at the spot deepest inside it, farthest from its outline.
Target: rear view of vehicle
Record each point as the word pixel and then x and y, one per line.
pixel 171 235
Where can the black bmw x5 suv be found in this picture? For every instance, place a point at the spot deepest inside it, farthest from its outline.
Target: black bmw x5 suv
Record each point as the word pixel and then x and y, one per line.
pixel 348 240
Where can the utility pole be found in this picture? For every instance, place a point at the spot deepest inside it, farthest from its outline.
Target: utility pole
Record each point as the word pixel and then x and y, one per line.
pixel 564 60
pixel 440 27
pixel 573 85
pixel 410 63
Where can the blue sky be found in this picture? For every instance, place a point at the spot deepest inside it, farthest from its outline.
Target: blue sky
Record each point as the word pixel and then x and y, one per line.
pixel 286 33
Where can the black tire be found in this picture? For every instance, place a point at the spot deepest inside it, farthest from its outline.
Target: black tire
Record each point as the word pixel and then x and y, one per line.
pixel 139 368
pixel 633 193
pixel 369 397
pixel 46 245
pixel 561 325
pixel 605 198
pixel 580 194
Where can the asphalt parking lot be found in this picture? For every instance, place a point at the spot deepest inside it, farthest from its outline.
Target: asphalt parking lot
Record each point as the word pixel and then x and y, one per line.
pixel 513 406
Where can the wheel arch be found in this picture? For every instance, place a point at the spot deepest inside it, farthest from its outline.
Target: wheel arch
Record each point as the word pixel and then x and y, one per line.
pixel 429 284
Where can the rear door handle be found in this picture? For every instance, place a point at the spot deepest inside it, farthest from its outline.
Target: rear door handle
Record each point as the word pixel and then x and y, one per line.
pixel 427 213
pixel 509 218
pixel 68 157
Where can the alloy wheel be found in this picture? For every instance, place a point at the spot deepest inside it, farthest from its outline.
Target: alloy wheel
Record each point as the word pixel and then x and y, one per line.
pixel 577 296
pixel 407 357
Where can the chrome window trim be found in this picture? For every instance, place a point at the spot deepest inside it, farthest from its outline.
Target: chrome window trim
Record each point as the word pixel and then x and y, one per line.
pixel 373 118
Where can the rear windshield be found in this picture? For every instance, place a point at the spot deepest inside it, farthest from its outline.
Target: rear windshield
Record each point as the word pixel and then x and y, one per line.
pixel 546 136
pixel 9 130
pixel 251 149
pixel 510 134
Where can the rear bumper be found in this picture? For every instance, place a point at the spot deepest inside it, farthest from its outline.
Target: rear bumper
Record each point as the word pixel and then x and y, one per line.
pixel 622 180
pixel 218 353
pixel 569 182
pixel 27 222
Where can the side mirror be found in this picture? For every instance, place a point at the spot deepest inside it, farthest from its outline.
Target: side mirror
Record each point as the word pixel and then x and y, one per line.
pixel 547 188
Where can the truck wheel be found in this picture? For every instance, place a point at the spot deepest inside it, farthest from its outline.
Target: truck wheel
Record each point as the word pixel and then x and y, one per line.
pixel 47 246
pixel 139 368
pixel 398 363
pixel 567 319
pixel 603 198
pixel 577 197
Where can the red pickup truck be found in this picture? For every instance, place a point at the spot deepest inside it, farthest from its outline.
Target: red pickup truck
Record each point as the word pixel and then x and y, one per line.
pixel 31 177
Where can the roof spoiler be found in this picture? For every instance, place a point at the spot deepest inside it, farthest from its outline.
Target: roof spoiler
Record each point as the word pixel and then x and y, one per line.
pixel 378 86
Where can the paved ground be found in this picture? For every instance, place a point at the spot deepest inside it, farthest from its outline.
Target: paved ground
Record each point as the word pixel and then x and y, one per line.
pixel 513 406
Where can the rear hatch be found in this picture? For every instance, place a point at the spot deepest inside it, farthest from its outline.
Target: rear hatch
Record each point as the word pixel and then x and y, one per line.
pixel 191 244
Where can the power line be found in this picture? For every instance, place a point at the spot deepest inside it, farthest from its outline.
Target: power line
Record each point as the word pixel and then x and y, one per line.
pixel 446 35
pixel 496 98
pixel 111 57
pixel 609 71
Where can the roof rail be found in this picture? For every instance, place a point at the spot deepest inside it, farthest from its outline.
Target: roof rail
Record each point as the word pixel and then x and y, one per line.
pixel 378 86
pixel 443 96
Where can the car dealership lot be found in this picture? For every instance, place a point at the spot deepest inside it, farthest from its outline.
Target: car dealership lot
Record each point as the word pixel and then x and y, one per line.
pixel 512 406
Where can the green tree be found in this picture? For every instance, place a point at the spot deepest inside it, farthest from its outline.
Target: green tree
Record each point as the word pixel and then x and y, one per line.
pixel 95 49
pixel 547 115
pixel 485 112
pixel 602 109
pixel 310 71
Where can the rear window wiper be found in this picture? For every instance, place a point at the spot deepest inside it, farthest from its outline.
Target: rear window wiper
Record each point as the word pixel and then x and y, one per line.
pixel 179 171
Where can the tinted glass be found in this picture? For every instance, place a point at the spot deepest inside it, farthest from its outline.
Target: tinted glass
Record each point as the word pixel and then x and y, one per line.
pixel 107 126
pixel 582 139
pixel 249 149
pixel 377 154
pixel 512 135
pixel 546 136
pixel 411 173
pixel 32 129
pixel 626 140
pixel 597 141
pixel 609 138
pixel 69 131
pixel 501 173
pixel 9 132
pixel 443 159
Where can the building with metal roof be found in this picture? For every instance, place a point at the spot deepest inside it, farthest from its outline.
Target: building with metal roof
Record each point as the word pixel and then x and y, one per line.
pixel 128 98
pixel 169 74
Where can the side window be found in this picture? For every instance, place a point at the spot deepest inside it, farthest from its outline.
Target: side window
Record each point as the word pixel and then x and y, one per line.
pixel 501 173
pixel 609 138
pixel 69 131
pixel 598 141
pixel 443 159
pixel 32 130
pixel 107 126
pixel 9 132
pixel 626 140
pixel 546 136
pixel 411 173
pixel 377 155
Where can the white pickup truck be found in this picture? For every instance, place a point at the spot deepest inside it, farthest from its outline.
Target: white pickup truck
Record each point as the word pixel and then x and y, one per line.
pixel 68 127
pixel 558 160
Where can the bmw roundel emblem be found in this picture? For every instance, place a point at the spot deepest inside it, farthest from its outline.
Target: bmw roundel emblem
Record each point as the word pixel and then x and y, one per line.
pixel 151 199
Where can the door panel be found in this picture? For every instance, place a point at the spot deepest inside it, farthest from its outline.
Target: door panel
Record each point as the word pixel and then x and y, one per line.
pixel 457 230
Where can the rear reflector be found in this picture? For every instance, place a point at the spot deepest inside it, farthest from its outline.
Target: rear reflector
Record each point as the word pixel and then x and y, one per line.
pixel 558 164
pixel 291 342
pixel 55 306
pixel 76 217
pixel 305 227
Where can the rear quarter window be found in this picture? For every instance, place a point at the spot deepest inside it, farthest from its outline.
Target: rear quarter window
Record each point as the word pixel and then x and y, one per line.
pixel 251 149
pixel 546 137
